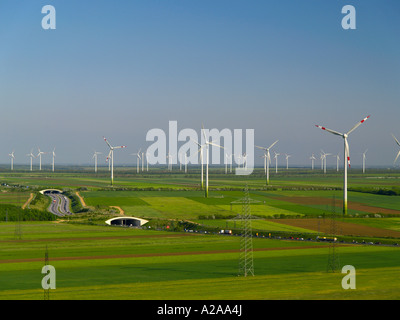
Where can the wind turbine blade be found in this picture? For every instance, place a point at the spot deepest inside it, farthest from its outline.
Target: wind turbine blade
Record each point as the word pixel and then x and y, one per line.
pixel 195 142
pixel 398 154
pixel 261 148
pixel 398 143
pixel 109 145
pixel 119 147
pixel 273 144
pixel 356 126
pixel 204 133
pixel 213 144
pixel 329 130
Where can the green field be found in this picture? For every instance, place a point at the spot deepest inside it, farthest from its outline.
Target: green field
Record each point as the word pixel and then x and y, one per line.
pixel 96 261
pixel 137 264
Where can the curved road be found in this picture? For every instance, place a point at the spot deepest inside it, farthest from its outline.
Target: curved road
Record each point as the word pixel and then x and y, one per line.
pixel 59 204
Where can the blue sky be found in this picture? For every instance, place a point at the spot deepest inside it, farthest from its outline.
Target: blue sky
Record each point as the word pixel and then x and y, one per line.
pixel 120 68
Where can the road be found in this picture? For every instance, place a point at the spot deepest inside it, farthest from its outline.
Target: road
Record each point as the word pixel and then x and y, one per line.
pixel 59 204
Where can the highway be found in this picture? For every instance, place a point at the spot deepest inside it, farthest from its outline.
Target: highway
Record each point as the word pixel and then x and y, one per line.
pixel 59 204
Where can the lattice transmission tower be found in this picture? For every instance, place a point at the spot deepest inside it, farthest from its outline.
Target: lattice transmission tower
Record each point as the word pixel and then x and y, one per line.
pixel 246 263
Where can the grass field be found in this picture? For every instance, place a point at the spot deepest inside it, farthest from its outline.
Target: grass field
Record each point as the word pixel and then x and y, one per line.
pixel 95 261
pixel 137 264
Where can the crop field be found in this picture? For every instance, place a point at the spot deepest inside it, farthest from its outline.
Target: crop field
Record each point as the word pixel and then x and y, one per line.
pixel 179 254
pixel 94 262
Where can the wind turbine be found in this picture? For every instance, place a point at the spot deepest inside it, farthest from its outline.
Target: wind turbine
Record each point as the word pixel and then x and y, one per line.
pixel 206 145
pixel 364 160
pixel 200 151
pixel 322 161
pixel 138 158
pixel 54 155
pixel 398 154
pixel 40 158
pixel 312 161
pixel 276 161
pixel 31 156
pixel 228 158
pixel 323 158
pixel 287 160
pixel 245 160
pixel 95 160
pixel 337 162
pixel 267 160
pixel 111 155
pixel 265 157
pixel 346 157
pixel 186 162
pixel 12 159
pixel 240 157
pixel 169 157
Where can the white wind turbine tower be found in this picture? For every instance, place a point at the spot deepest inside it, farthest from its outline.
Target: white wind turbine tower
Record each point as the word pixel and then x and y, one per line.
pixel 267 160
pixel 346 157
pixel 240 157
pixel 95 160
pixel 186 162
pixel 169 157
pixel 364 160
pixel 227 158
pixel 398 154
pixel 138 158
pixel 323 157
pixel 276 161
pixel 40 158
pixel 322 161
pixel 312 158
pixel 206 145
pixel 54 155
pixel 337 162
pixel 287 160
pixel 31 156
pixel 12 159
pixel 111 155
pixel 245 160
pixel 200 151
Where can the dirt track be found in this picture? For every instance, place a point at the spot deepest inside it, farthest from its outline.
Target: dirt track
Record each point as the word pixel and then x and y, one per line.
pixel 121 212
pixel 80 198
pixel 28 201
